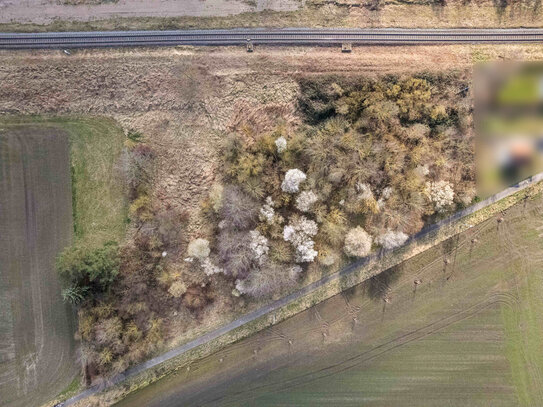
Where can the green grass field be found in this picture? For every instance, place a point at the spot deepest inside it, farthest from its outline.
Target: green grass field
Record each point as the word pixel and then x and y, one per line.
pixel 470 334
pixel 99 205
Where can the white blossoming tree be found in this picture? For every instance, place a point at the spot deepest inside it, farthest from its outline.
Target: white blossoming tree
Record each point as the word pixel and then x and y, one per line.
pixel 299 232
pixel 259 246
pixel 305 200
pixel 281 144
pixel 210 268
pixel 267 212
pixel 357 242
pixel 441 194
pixel 292 181
pixel 391 239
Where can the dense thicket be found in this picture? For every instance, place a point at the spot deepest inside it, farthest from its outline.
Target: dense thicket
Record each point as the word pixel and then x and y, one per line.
pixel 375 161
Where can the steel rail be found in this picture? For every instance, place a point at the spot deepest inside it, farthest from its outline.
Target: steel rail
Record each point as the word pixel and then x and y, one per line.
pixel 290 36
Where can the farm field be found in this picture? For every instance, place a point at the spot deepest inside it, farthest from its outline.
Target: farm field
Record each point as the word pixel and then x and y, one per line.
pixel 467 334
pixel 37 350
pixel 37 347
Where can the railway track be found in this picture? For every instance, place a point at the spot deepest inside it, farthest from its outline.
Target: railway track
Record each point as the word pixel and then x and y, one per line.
pixel 288 36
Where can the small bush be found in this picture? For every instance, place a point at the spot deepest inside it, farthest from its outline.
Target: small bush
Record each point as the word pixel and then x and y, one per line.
pixel 441 195
pixel 177 289
pixel 391 239
pixel 239 210
pixel 140 210
pixel 215 196
pixel 281 144
pixel 197 297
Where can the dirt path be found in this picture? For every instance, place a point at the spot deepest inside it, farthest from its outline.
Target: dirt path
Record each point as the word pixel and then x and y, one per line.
pixel 45 11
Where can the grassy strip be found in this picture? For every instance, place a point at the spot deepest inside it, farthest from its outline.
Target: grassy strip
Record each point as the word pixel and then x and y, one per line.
pixel 99 207
pixel 72 389
pixel 329 290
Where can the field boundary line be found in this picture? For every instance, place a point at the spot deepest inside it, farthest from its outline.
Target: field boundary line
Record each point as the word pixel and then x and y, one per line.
pixel 355 273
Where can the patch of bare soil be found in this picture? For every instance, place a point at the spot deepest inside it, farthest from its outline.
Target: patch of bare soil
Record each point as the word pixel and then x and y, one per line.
pixel 37 350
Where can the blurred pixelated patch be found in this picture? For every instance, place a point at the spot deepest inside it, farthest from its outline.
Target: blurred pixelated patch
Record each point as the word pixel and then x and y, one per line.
pixel 508 122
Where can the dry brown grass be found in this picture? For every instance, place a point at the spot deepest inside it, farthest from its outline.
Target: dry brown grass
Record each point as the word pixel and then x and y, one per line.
pixel 185 99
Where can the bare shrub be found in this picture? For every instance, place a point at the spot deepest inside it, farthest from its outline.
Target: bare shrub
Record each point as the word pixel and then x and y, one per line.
pixel 271 279
pixel 135 166
pixel 169 223
pixel 239 209
pixel 234 250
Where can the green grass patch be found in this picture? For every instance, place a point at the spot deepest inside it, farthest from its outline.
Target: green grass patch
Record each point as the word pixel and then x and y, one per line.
pixel 71 389
pixel 99 205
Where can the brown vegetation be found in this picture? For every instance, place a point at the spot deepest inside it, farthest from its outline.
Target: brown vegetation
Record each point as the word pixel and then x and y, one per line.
pixel 381 156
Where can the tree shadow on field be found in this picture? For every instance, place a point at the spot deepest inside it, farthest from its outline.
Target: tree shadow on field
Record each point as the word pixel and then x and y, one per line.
pixel 377 287
pixel 352 293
